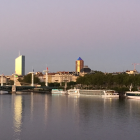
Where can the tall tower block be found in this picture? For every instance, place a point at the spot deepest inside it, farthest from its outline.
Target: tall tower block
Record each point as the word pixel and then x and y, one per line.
pixel 20 65
pixel 79 64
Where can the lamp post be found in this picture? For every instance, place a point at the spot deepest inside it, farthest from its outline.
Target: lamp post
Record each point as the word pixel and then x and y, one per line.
pixel 46 71
pixel 66 80
pixel 61 79
pixel 65 84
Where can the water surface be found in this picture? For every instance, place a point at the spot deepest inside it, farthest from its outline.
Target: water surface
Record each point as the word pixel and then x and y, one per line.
pixel 42 116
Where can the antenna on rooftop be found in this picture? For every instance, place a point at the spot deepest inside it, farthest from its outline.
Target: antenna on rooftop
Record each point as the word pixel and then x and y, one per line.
pixel 32 68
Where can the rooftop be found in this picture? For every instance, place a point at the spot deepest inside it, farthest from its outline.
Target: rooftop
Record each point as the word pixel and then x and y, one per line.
pixel 79 58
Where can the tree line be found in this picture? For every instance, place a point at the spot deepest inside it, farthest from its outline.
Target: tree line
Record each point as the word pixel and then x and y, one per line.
pixel 100 80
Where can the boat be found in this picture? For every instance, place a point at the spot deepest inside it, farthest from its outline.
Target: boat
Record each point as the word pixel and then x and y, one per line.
pixel 132 94
pixel 91 92
pixel 73 92
pixel 58 91
pixel 110 94
pixel 101 93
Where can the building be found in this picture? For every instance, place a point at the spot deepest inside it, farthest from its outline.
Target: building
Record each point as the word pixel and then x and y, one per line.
pixel 20 65
pixel 63 76
pixel 79 65
pixel 4 79
pixel 85 69
pixel 59 77
pixel 40 75
pixel 132 72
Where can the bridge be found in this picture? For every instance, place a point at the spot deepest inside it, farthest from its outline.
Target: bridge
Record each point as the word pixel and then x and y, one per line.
pixel 14 88
pixel 21 88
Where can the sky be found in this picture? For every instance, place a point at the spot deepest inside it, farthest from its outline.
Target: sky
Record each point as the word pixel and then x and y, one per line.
pixel 54 33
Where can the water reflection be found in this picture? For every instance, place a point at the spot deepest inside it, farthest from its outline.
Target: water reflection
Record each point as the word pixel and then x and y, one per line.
pixel 32 105
pixel 132 110
pixel 46 108
pixel 17 115
pixel 1 105
pixel 75 103
pixel 3 92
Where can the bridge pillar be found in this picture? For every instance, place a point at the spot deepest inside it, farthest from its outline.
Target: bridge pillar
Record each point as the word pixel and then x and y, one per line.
pixel 32 80
pixel 13 88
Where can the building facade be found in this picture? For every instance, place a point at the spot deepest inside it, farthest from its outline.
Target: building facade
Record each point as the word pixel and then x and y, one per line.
pixel 58 77
pixel 79 65
pixel 85 69
pixel 4 79
pixel 20 65
pixel 132 72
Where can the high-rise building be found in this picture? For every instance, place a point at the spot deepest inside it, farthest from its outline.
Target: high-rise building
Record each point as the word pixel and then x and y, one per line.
pixel 20 65
pixel 79 64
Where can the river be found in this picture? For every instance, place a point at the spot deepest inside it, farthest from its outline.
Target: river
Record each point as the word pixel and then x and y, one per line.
pixel 30 116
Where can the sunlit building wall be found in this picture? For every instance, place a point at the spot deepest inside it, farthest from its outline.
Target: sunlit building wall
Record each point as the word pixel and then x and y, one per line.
pixel 20 65
pixel 79 64
pixel 5 80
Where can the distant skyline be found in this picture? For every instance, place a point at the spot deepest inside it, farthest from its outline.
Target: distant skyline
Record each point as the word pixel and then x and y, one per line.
pixel 53 34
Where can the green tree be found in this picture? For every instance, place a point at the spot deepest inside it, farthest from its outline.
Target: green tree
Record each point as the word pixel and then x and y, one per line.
pixel 27 78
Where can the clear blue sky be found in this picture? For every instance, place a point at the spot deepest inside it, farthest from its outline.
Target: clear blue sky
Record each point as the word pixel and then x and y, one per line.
pixel 104 33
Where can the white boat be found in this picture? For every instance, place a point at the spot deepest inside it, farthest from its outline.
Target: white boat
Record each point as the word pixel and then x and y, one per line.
pixel 110 94
pixel 73 92
pixel 101 93
pixel 58 91
pixel 133 94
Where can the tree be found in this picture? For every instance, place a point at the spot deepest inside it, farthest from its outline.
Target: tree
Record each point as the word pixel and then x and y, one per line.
pixel 27 78
pixel 109 80
pixel 11 82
